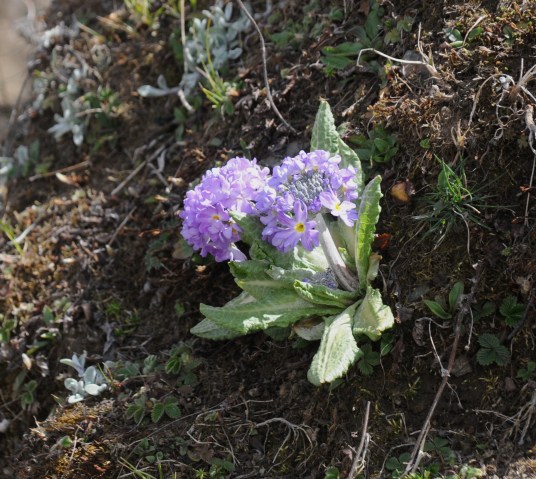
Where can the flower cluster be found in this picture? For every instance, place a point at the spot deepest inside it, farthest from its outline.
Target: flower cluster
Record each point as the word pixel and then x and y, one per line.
pixel 286 202
pixel 207 222
pixel 300 188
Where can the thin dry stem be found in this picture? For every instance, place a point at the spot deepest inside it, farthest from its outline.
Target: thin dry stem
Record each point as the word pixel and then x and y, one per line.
pixel 529 120
pixel 359 458
pixel 264 67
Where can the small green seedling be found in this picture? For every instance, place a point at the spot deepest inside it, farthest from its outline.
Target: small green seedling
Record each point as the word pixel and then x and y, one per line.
pixel 483 310
pixel 182 364
pixel 332 473
pixel 450 201
pixel 397 465
pixel 137 409
pixel 527 373
pixel 440 310
pixel 441 447
pixel 512 311
pixel 492 351
pixel 378 146
pixel 169 407
pixel 6 326
pixel 220 468
pixel 368 360
pixel 394 32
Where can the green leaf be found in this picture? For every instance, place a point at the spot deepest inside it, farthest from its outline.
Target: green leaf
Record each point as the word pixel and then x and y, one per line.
pixel 171 408
pixel 336 62
pixel 332 473
pixel 136 410
pixel 319 294
pixel 157 412
pixel 489 341
pixel 324 136
pixel 483 310
pixel 381 144
pixel 369 359
pixel 369 213
pixel 252 277
pixel 372 316
pixel 208 330
pixel 343 49
pixel 512 310
pixel 338 349
pixel 485 357
pixel 492 351
pixel 437 309
pixel 281 308
pixel 48 315
pixel 173 365
pixel 474 33
pixel 454 296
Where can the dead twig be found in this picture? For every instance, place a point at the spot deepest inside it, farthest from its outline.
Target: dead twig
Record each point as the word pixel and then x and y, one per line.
pixel 529 120
pixel 465 306
pixel 359 458
pixel 67 169
pixel 264 67
pixel 121 225
pixel 526 415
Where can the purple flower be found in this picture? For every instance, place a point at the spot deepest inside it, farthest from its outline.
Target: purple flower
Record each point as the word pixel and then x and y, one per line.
pixel 207 223
pixel 314 181
pixel 345 210
pixel 293 229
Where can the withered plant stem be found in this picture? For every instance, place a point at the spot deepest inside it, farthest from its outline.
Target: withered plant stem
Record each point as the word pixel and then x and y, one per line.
pixel 359 458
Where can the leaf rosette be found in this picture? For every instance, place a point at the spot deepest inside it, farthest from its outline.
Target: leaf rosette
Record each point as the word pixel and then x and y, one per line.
pixel 315 289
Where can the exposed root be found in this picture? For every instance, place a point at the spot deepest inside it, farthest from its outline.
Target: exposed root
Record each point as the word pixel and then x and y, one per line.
pixel 294 432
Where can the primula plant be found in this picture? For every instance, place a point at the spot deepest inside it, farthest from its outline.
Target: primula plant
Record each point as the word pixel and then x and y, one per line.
pixel 308 266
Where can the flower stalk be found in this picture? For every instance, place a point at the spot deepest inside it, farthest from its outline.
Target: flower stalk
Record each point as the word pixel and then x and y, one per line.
pixel 344 276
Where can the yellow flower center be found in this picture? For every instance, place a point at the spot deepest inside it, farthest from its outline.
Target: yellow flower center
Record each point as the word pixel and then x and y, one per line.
pixel 300 227
pixel 215 217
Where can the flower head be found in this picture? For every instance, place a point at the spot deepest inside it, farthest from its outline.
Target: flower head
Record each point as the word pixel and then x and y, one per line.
pixel 304 185
pixel 207 222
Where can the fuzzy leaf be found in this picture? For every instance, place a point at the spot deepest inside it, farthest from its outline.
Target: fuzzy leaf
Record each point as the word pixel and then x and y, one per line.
pixel 319 294
pixel 208 330
pixel 252 277
pixel 369 213
pixel 372 316
pixel 281 308
pixel 437 309
pixel 95 389
pixel 338 349
pixel 324 136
